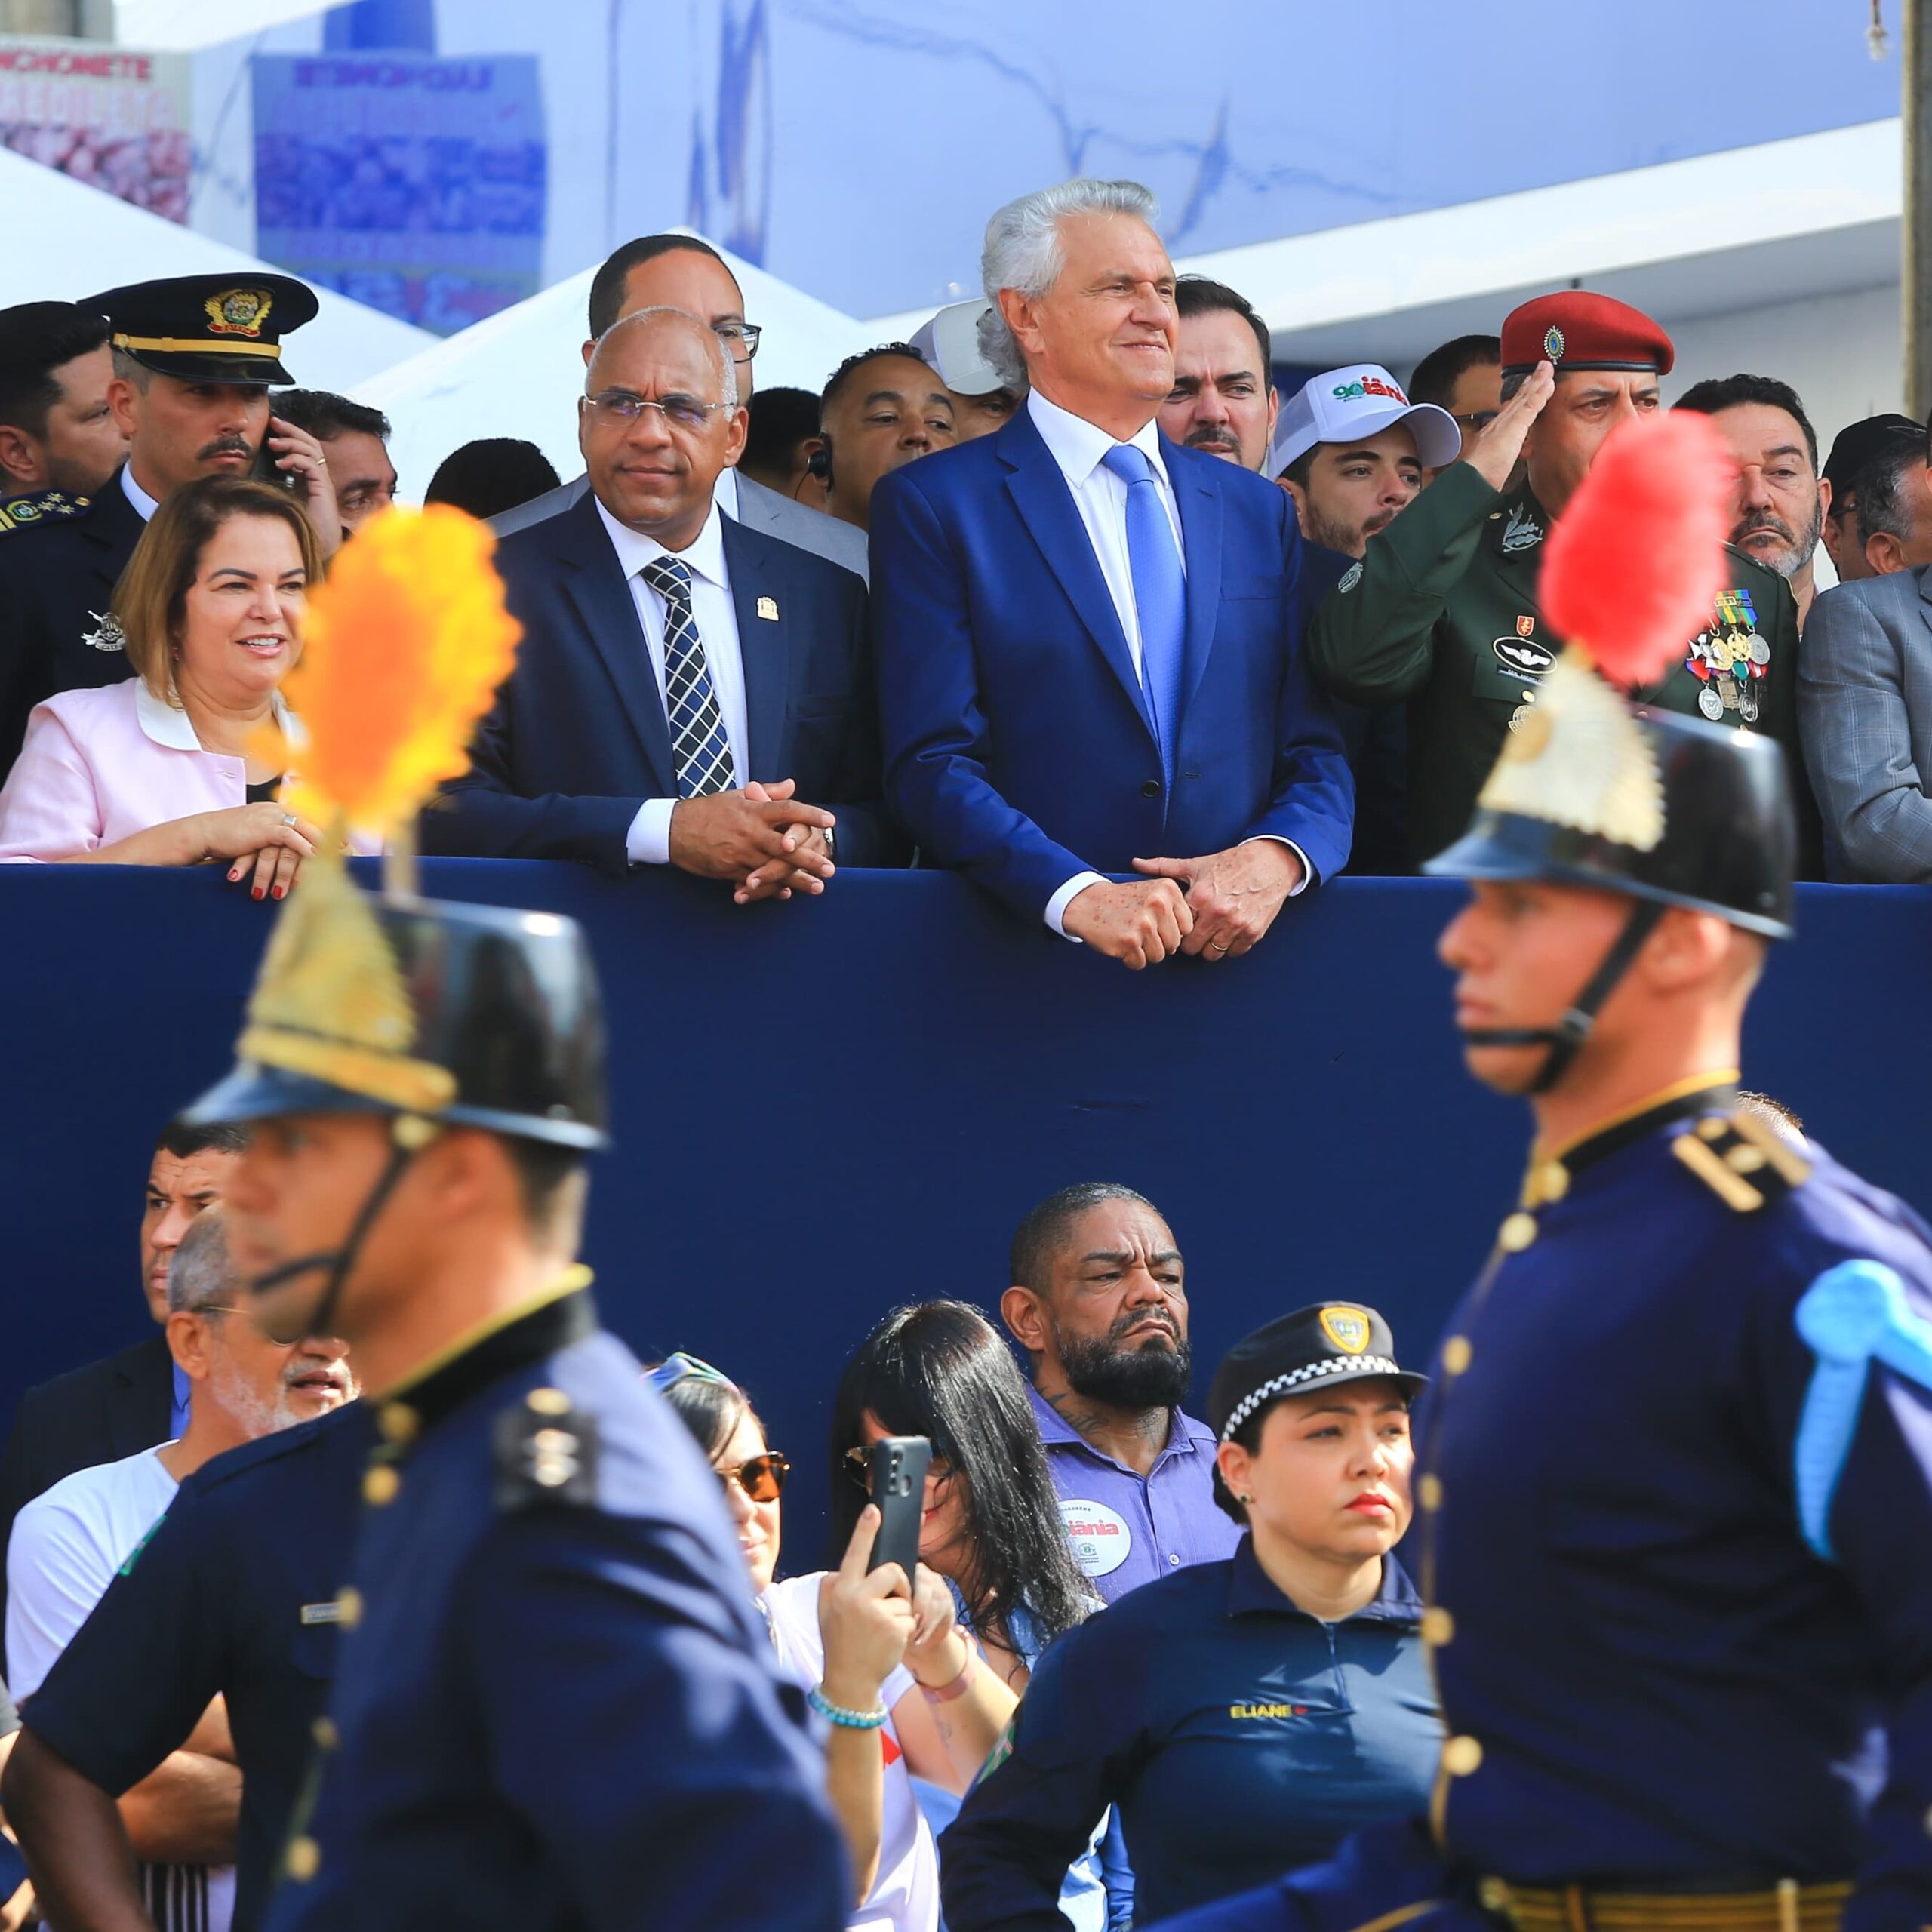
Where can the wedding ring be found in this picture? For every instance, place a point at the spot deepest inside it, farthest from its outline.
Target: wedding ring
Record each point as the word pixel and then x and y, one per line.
pixel 1213 948
pixel 288 818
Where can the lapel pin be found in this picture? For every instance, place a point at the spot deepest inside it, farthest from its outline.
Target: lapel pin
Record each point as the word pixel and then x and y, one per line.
pixel 767 608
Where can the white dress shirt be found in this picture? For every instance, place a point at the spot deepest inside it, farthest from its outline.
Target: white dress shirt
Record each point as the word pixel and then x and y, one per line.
pixel 145 505
pixel 1080 448
pixel 648 841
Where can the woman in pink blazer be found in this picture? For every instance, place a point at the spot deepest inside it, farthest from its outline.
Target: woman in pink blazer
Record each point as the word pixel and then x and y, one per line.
pixel 164 769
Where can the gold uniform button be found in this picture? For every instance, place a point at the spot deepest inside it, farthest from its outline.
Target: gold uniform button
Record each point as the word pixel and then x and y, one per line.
pixel 304 1860
pixel 1552 1180
pixel 1456 1354
pixel 1517 1233
pixel 323 1732
pixel 548 1402
pixel 398 1423
pixel 1494 1894
pixel 348 1607
pixel 1429 1490
pixel 1746 1159
pixel 380 1485
pixel 1461 1756
pixel 1713 1127
pixel 1438 1627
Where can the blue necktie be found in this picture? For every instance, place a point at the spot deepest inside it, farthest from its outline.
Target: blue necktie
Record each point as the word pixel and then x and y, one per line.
pixel 1160 596
pixel 701 751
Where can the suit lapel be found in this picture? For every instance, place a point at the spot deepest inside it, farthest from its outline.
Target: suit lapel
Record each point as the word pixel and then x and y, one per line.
pixel 763 650
pixel 1199 501
pixel 595 585
pixel 141 1404
pixel 1046 507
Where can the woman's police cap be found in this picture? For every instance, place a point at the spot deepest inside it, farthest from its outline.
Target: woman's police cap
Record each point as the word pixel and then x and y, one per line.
pixel 1317 1347
pixel 207 328
pixel 471 1015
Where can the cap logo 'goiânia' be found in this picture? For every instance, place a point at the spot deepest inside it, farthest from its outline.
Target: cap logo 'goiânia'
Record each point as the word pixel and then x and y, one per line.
pixel 1347 1328
pixel 239 311
pixel 332 1004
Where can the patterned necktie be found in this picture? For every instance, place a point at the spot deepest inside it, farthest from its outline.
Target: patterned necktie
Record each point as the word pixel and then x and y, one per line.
pixel 1160 595
pixel 700 753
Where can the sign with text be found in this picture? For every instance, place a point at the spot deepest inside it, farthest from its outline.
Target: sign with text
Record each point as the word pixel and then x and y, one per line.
pixel 111 117
pixel 414 184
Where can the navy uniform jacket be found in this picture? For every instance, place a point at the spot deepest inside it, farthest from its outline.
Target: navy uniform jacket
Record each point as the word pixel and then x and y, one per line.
pixel 1679 1555
pixel 1237 1734
pixel 555 1706
pixel 57 580
pixel 232 1592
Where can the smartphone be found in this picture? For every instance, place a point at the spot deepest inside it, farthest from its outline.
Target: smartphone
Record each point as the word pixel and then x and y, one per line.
pixel 899 1465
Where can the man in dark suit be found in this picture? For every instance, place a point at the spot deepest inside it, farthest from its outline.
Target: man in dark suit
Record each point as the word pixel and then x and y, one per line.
pixel 193 357
pixel 136 1399
pixel 1088 637
pixel 685 685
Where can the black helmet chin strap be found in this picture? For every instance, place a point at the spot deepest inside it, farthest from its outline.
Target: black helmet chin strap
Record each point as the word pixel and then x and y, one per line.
pixel 406 1142
pixel 1567 1036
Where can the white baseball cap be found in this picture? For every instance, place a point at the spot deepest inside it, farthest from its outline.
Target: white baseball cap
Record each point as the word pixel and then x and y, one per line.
pixel 1350 405
pixel 950 344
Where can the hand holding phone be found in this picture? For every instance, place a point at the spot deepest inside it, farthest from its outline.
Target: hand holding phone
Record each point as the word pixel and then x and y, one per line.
pixel 898 1464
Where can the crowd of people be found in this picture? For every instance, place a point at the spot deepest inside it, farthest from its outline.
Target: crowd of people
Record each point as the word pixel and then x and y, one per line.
pixel 1011 597
pixel 1060 594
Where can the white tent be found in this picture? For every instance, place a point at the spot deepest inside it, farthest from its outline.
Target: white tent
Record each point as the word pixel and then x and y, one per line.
pixel 519 373
pixel 60 239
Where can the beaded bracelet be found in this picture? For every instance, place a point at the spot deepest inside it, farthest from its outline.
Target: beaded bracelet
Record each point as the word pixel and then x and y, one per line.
pixel 846 1720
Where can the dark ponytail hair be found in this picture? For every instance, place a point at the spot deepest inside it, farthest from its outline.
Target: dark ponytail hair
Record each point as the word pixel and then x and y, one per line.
pixel 711 1410
pixel 938 1369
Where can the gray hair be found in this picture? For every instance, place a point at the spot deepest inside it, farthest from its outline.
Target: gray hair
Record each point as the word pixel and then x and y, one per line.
pixel 200 1272
pixel 1024 251
pixel 727 370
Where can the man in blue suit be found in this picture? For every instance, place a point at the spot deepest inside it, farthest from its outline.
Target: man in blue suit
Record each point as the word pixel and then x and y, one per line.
pixel 685 685
pixel 1088 637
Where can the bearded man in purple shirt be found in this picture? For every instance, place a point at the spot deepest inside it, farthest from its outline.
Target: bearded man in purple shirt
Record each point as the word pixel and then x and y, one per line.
pixel 1099 1305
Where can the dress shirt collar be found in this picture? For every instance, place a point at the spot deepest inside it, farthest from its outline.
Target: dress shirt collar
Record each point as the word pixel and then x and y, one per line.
pixel 1251 1589
pixel 165 723
pixel 145 505
pixel 1184 1434
pixel 725 496
pixel 704 556
pixel 1078 446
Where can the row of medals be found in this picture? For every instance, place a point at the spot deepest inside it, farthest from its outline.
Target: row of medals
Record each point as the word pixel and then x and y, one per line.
pixel 1728 667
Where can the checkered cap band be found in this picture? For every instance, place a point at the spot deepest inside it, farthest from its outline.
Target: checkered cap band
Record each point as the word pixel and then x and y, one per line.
pixel 1315 1371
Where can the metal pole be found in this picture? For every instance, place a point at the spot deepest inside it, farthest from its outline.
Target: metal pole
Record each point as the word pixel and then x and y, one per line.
pixel 1915 228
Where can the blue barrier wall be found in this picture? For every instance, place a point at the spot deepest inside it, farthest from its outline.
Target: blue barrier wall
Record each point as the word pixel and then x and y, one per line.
pixel 823 1108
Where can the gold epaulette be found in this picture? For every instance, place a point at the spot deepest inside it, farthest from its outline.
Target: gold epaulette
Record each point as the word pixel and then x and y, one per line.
pixel 49 506
pixel 1743 1162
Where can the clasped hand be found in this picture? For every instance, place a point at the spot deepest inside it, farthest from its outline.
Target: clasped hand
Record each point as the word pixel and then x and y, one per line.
pixel 1213 908
pixel 768 842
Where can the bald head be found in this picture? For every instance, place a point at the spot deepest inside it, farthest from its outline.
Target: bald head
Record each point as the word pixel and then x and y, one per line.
pixel 654 333
pixel 659 420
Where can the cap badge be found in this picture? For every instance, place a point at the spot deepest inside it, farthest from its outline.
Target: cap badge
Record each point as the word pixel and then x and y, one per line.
pixel 1552 343
pixel 238 311
pixel 1347 1328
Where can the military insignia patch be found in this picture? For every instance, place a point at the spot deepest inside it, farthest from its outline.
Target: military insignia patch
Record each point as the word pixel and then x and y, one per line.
pixel 107 635
pixel 1522 532
pixel 49 506
pixel 1347 1328
pixel 1525 625
pixel 1350 578
pixel 238 311
pixel 1524 659
pixel 1552 343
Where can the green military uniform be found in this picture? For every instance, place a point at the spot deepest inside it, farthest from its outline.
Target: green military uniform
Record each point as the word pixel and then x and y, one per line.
pixel 1442 611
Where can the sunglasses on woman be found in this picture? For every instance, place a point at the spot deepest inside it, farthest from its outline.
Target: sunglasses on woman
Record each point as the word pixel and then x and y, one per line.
pixel 761 1478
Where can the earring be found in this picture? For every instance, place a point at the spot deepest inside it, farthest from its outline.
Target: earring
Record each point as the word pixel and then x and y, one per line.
pixel 1244 1500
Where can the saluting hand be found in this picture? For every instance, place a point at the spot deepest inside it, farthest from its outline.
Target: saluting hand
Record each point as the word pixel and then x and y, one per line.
pixel 1495 454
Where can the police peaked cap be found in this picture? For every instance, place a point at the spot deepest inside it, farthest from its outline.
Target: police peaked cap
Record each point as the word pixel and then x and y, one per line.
pixel 207 328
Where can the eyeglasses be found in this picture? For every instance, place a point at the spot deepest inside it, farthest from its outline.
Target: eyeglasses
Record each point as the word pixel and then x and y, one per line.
pixel 682 1368
pixel 228 1308
pixel 736 336
pixel 620 408
pixel 858 1466
pixel 761 1478
pixel 1478 420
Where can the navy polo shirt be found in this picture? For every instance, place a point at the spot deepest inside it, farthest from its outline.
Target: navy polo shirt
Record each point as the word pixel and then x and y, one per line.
pixel 233 1591
pixel 1238 1735
pixel 1127 1529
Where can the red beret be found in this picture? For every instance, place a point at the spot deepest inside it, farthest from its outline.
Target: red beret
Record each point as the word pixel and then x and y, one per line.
pixel 1575 329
